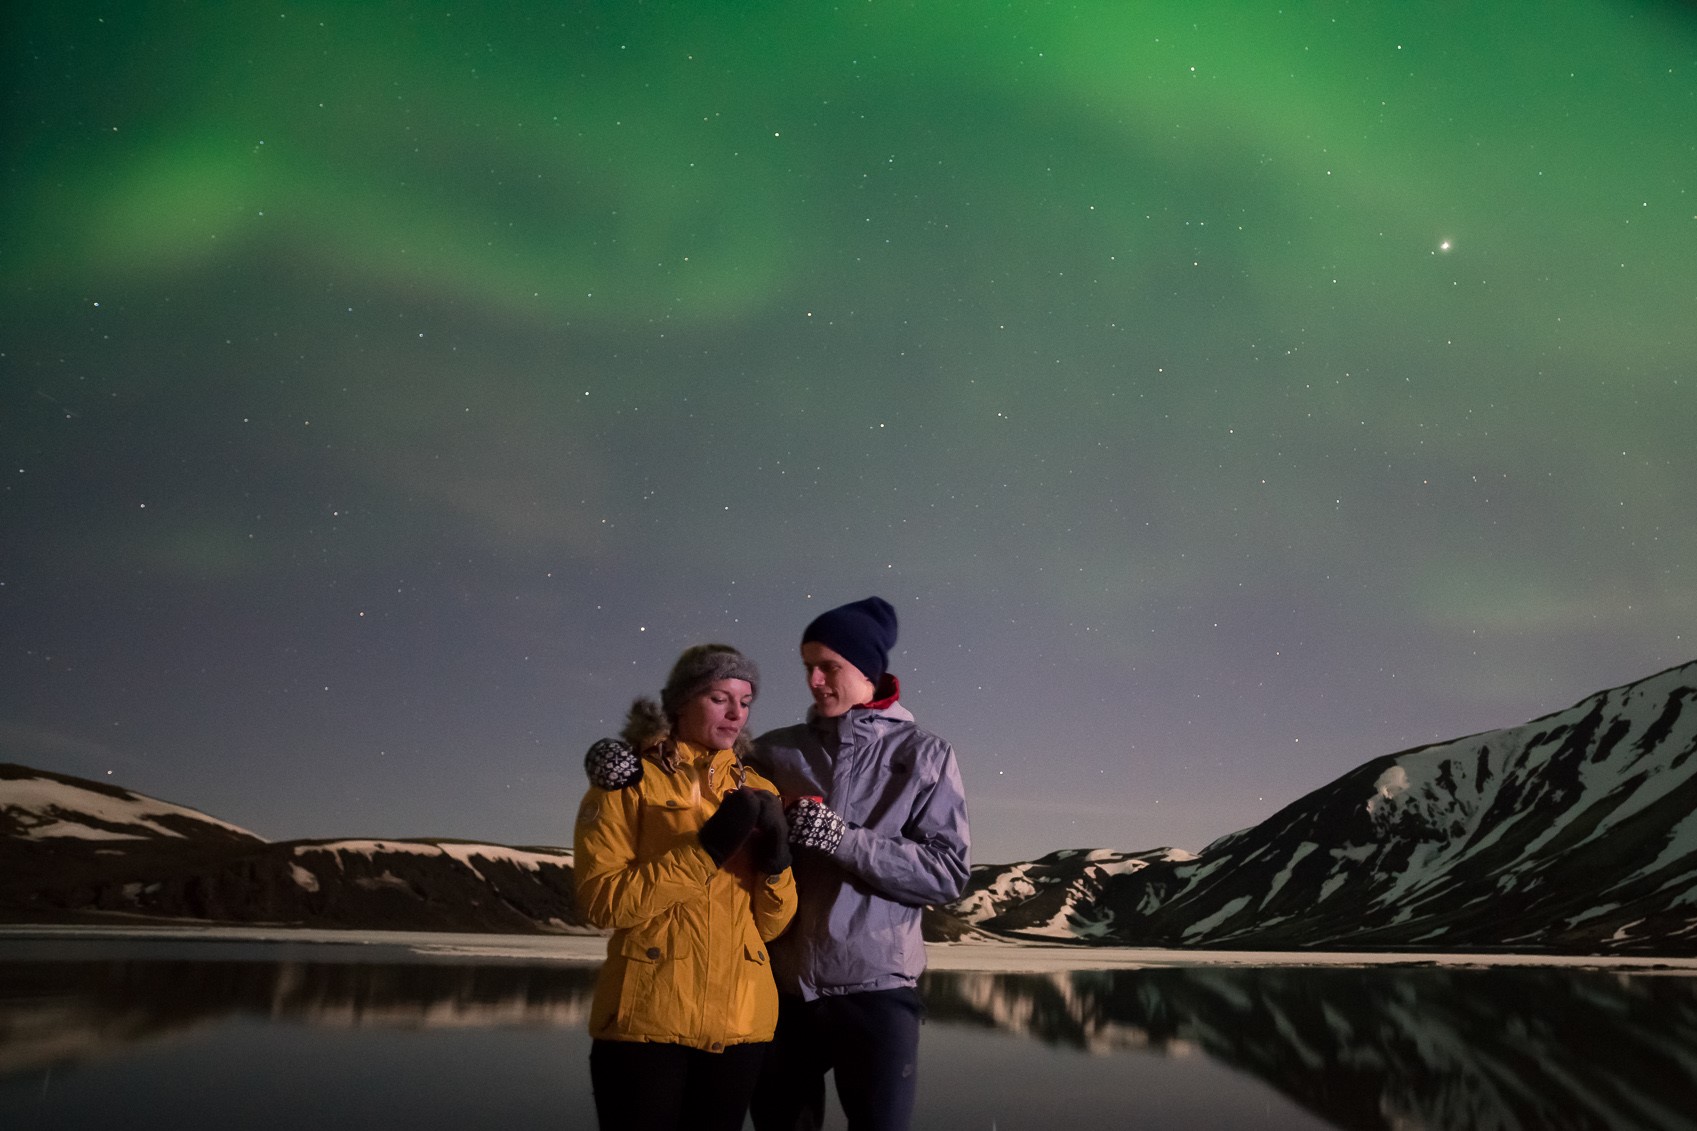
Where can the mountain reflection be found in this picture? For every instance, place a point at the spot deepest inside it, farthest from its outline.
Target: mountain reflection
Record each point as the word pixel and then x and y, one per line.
pixel 1382 1047
pixel 1372 1047
pixel 60 1013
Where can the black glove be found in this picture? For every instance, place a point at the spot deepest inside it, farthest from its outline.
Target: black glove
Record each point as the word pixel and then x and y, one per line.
pixel 814 824
pixel 769 851
pixel 611 764
pixel 723 833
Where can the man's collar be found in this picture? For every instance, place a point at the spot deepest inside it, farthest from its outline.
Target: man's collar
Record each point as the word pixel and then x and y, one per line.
pixel 884 696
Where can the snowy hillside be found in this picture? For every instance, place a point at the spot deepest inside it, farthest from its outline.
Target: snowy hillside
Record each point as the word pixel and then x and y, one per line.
pixel 71 848
pixel 39 805
pixel 1577 831
pixel 1042 898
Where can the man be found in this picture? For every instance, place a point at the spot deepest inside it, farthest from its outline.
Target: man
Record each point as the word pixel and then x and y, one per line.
pixel 878 818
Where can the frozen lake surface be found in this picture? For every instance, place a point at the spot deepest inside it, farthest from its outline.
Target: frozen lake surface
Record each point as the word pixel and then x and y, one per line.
pixel 982 956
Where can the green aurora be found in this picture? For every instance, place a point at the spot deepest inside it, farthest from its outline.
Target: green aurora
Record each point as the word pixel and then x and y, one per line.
pixel 1226 395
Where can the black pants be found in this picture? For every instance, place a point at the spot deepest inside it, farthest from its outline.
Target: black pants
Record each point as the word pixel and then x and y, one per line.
pixel 870 1040
pixel 641 1086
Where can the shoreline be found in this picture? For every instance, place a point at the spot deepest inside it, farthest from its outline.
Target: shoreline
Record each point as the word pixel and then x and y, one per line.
pixel 986 957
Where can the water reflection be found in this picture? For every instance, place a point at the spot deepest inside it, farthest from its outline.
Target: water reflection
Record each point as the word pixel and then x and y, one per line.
pixel 63 1013
pixel 1377 1047
pixel 1383 1046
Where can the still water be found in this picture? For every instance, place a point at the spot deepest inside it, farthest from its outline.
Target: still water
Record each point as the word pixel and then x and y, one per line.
pixel 186 1036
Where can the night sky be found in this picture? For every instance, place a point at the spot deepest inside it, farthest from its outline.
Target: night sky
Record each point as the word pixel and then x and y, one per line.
pixel 1223 395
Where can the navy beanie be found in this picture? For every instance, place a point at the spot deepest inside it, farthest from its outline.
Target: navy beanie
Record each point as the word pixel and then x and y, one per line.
pixel 861 632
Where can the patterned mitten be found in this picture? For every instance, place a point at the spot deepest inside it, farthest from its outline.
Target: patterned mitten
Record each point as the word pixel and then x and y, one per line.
pixel 611 764
pixel 814 824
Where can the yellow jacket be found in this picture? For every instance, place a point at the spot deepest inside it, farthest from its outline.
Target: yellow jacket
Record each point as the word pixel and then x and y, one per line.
pixel 687 961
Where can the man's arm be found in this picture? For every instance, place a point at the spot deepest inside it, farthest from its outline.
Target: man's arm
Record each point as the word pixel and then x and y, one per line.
pixel 928 862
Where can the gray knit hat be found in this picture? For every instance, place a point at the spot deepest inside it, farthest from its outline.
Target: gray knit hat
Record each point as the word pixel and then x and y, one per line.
pixel 700 666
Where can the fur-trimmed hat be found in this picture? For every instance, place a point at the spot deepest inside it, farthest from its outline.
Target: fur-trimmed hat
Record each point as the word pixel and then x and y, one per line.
pixel 701 666
pixel 650 725
pixel 861 632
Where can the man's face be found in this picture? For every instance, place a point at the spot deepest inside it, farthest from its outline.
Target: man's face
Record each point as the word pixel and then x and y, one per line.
pixel 835 683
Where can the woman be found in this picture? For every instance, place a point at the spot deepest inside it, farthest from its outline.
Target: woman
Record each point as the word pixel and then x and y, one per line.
pixel 683 852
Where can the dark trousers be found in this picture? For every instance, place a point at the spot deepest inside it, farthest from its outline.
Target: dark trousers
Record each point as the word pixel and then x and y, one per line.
pixel 641 1086
pixel 870 1040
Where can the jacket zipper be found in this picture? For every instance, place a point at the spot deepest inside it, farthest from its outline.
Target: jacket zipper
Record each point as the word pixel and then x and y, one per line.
pixel 706 951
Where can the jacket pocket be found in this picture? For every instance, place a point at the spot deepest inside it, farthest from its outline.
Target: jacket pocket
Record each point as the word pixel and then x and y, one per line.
pixel 645 956
pixel 754 1011
pixel 667 822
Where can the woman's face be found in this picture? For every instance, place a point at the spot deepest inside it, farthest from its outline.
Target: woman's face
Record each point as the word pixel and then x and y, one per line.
pixel 715 717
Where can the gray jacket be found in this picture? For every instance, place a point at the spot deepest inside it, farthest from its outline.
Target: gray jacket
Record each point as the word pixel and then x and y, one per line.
pixel 898 788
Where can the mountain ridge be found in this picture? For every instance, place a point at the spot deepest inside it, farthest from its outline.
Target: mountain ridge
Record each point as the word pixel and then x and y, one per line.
pixel 1575 832
pixel 91 851
pixel 1572 832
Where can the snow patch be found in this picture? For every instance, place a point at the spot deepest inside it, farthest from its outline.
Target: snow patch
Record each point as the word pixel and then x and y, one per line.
pixel 469 855
pixel 1331 885
pixel 1625 931
pixel 384 879
pixel 1218 917
pixel 1392 782
pixel 63 829
pixel 1279 881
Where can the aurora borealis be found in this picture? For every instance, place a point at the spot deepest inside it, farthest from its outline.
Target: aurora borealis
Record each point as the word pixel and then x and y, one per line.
pixel 1222 396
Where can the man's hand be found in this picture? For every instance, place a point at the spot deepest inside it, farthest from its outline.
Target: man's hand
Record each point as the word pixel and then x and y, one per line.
pixel 612 765
pixel 815 825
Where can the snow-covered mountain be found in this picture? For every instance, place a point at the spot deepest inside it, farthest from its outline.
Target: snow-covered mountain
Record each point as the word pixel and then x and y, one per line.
pixel 1041 898
pixel 75 848
pixel 1574 832
pixel 41 806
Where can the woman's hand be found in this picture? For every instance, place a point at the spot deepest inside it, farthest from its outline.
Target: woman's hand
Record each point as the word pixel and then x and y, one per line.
pixel 731 824
pixel 769 850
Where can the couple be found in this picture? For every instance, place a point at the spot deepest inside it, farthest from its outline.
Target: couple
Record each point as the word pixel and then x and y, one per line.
pixel 824 839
